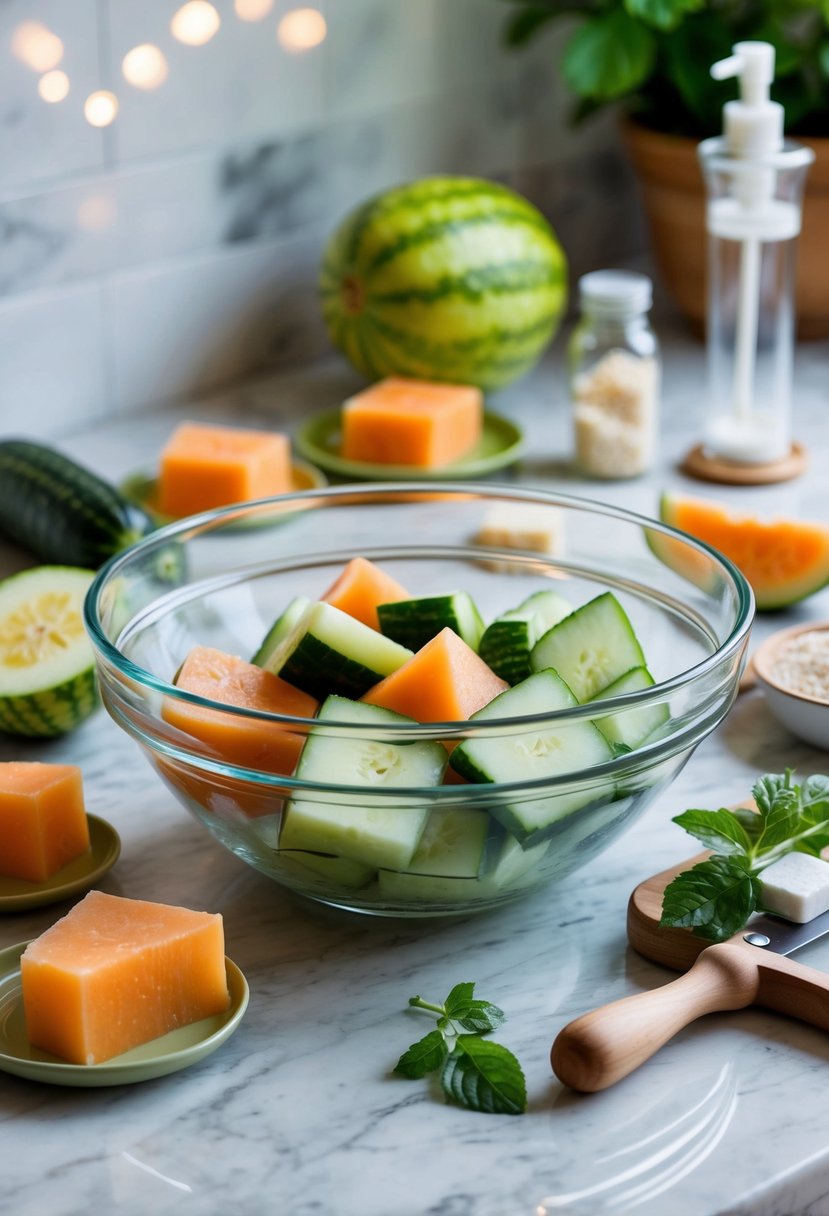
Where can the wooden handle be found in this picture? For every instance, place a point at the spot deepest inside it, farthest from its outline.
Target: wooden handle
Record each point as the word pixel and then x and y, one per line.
pixel 602 1047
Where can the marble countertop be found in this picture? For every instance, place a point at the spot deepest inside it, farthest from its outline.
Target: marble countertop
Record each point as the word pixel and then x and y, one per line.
pixel 298 1112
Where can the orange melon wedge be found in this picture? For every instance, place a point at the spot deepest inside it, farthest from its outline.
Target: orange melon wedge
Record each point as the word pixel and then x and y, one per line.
pixel 784 560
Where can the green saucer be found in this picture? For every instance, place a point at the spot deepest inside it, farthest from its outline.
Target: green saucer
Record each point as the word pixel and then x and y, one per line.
pixel 79 875
pixel 142 489
pixel 178 1049
pixel 500 445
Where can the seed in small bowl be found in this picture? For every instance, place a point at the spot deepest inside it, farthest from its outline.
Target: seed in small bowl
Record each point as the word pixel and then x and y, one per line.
pixel 793 669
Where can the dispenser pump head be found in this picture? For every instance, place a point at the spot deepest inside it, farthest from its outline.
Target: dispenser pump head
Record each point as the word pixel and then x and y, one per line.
pixel 753 125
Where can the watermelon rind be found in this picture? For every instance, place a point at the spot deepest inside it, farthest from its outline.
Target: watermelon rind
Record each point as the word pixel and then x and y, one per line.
pixel 48 695
pixel 784 560
pixel 448 278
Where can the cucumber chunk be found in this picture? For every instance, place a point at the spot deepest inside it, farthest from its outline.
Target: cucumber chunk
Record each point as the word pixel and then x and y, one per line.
pixel 506 644
pixel 47 668
pixel 459 842
pixel 515 867
pixel 340 871
pixel 630 727
pixel 377 831
pixel 413 623
pixel 544 751
pixel 328 651
pixel 281 629
pixel 591 647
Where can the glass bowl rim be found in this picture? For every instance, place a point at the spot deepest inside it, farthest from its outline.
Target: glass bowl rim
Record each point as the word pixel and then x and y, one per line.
pixel 215 518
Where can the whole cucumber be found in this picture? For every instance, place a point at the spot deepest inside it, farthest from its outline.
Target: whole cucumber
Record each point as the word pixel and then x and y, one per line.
pixel 61 512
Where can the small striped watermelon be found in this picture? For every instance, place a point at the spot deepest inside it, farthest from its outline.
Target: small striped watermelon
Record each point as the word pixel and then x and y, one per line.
pixel 47 669
pixel 447 278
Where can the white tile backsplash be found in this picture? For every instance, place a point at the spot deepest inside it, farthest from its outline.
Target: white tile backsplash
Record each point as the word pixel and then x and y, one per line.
pixel 177 249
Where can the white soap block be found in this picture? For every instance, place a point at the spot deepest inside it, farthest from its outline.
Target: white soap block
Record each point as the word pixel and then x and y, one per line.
pixel 517 525
pixel 796 887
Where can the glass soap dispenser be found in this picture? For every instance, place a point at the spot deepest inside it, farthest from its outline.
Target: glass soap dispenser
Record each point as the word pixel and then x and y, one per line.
pixel 754 180
pixel 614 375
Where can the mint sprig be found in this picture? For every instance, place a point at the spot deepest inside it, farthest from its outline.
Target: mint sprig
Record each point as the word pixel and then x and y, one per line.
pixel 717 896
pixel 474 1072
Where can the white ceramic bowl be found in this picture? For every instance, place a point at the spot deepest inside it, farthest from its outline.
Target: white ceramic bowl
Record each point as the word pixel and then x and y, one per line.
pixel 805 716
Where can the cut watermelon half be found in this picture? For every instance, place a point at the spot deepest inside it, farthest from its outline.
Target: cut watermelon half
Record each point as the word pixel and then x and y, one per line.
pixel 784 560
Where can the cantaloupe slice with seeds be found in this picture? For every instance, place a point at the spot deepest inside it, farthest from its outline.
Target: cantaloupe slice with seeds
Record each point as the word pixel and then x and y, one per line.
pixel 784 560
pixel 444 682
pixel 360 588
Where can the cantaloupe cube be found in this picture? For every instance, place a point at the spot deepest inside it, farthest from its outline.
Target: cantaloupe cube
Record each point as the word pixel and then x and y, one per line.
pixel 43 823
pixel 246 742
pixel 360 588
pixel 412 422
pixel 444 682
pixel 114 973
pixel 211 466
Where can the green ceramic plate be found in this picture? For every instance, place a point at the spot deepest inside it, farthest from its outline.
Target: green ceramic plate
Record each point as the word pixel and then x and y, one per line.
pixel 142 489
pixel 178 1049
pixel 79 875
pixel 319 440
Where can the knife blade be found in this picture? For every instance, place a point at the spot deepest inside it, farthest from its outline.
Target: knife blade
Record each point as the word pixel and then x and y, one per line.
pixel 783 936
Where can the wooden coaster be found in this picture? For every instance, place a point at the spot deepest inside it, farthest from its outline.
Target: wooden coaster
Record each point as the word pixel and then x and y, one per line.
pixel 730 472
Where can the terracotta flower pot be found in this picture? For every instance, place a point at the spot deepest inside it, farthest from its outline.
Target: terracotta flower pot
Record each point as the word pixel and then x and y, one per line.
pixel 674 198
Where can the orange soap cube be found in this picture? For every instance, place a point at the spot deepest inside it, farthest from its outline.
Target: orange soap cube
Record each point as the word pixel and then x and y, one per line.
pixel 212 466
pixel 360 588
pixel 412 422
pixel 444 682
pixel 43 822
pixel 114 973
pixel 246 742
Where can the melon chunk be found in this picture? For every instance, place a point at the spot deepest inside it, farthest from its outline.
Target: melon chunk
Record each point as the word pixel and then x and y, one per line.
pixel 114 973
pixel 784 560
pixel 43 823
pixel 360 588
pixel 444 682
pixel 247 742
pixel 412 422
pixel 212 466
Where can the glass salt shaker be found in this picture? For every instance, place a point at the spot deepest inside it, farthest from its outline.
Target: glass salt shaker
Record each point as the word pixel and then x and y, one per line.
pixel 614 372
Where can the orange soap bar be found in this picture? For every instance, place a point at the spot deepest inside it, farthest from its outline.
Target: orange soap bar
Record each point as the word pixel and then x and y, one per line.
pixel 412 422
pixel 360 588
pixel 211 466
pixel 43 822
pixel 114 973
pixel 445 681
pixel 249 743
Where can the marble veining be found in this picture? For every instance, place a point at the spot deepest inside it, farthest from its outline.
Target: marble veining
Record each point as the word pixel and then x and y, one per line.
pixel 299 1111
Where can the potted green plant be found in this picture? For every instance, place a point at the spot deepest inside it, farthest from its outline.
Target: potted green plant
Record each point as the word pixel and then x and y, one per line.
pixel 654 57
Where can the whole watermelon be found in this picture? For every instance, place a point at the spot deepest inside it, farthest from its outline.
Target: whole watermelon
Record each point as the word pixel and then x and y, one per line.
pixel 447 278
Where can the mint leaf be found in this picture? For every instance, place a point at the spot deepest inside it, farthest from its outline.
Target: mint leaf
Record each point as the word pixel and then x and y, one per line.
pixel 662 14
pixel 423 1057
pixel 814 793
pixel 780 821
pixel 484 1076
pixel 751 822
pixel 721 831
pixel 471 1014
pixel 767 788
pixel 715 898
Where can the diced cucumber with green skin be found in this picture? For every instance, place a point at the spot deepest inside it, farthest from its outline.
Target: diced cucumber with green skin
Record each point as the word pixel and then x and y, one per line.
pixel 281 629
pixel 413 623
pixel 630 727
pixel 543 752
pixel 458 842
pixel 378 831
pixel 506 644
pixel 341 871
pixel 591 647
pixel 328 651
pixel 515 867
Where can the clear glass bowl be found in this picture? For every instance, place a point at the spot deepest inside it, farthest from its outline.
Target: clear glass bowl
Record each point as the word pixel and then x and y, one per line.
pixel 220 580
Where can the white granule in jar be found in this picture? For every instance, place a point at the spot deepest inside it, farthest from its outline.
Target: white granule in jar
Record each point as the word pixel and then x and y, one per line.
pixel 615 415
pixel 802 666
